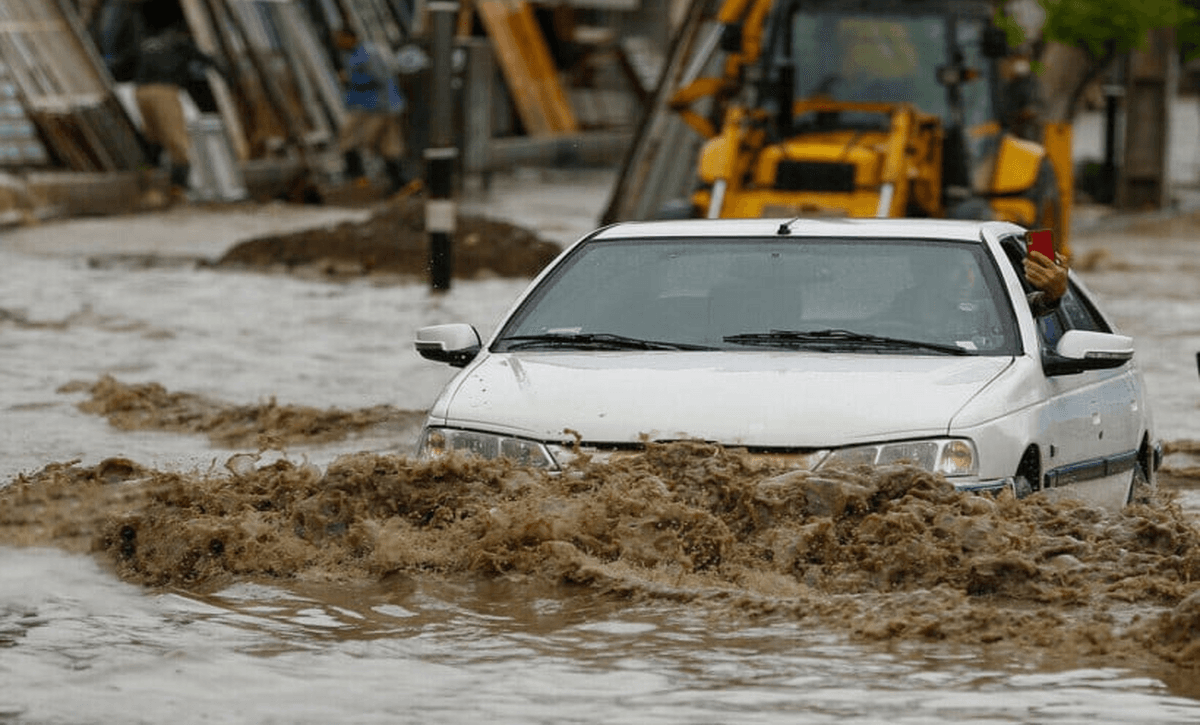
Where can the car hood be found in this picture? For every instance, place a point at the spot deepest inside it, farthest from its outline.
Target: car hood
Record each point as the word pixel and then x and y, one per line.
pixel 769 399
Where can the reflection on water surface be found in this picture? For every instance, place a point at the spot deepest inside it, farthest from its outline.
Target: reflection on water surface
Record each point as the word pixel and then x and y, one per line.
pixel 452 650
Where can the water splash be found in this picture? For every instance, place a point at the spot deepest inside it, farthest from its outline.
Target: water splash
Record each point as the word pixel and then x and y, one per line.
pixel 890 553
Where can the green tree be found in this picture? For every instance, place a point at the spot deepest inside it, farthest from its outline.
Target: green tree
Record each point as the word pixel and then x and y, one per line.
pixel 1108 28
pixel 1102 31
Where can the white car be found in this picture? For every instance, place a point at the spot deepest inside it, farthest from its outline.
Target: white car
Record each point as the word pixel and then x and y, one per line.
pixel 824 342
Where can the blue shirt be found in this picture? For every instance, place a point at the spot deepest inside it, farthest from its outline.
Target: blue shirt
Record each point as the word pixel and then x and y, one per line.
pixel 372 82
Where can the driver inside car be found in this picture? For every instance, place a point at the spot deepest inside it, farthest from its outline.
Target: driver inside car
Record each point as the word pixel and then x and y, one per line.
pixel 951 301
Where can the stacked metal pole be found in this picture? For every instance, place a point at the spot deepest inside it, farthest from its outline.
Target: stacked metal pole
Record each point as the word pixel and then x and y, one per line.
pixel 441 154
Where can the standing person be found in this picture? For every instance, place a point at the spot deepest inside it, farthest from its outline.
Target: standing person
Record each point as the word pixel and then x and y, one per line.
pixel 374 102
pixel 164 56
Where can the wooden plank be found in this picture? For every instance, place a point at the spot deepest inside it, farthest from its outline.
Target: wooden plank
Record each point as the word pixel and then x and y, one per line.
pixel 466 17
pixel 119 133
pixel 106 121
pixel 403 11
pixel 526 98
pixel 323 75
pixel 93 138
pixel 83 40
pixel 62 135
pixel 31 26
pixel 290 72
pixel 541 66
pixel 228 12
pixel 372 21
pixel 26 69
pixel 309 74
pixel 386 21
pixel 353 18
pixel 63 88
pixel 206 40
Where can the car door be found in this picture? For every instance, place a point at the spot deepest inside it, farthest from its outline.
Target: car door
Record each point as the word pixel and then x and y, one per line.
pixel 1091 418
pixel 1089 421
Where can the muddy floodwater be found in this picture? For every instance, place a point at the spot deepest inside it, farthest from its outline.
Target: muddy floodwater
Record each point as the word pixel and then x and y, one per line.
pixel 209 512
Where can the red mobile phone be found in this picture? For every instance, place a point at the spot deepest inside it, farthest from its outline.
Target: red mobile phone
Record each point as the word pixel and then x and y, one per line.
pixel 1040 240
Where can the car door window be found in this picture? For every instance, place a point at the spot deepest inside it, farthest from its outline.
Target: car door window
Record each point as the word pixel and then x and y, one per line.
pixel 1080 314
pixel 1075 311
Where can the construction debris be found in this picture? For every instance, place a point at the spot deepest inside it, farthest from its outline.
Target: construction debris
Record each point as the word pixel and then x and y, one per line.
pixel 551 74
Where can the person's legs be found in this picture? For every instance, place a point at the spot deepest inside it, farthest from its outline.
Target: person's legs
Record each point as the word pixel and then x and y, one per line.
pixel 350 141
pixel 147 105
pixel 378 133
pixel 179 175
pixel 164 124
pixel 352 164
pixel 394 168
pixel 390 145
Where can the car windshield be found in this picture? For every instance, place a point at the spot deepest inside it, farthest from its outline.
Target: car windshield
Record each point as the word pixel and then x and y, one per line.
pixel 780 293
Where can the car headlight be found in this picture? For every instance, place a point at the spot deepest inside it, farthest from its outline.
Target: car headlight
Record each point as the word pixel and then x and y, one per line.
pixel 947 456
pixel 439 441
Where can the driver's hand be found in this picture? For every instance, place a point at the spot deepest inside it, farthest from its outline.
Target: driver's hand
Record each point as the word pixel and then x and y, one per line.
pixel 1046 275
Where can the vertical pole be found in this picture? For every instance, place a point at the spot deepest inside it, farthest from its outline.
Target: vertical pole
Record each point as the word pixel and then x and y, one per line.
pixel 441 155
pixel 1112 102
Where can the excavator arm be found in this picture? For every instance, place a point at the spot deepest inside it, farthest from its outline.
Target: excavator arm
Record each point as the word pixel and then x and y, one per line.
pixel 742 25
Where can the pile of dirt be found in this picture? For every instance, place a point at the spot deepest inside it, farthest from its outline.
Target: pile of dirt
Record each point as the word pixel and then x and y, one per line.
pixel 149 406
pixel 393 241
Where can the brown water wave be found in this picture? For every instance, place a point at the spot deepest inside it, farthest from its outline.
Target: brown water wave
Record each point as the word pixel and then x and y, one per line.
pixel 889 554
pixel 1185 471
pixel 150 406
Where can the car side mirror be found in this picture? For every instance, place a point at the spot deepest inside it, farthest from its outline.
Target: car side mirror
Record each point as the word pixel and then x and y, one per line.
pixel 455 344
pixel 1081 350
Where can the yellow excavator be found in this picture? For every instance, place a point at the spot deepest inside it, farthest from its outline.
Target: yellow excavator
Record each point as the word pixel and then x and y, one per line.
pixel 871 108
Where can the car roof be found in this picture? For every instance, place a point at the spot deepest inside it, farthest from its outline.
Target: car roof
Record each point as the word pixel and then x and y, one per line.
pixel 949 229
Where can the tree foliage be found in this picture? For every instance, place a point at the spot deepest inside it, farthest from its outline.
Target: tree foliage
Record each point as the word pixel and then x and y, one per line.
pixel 1104 27
pixel 1101 31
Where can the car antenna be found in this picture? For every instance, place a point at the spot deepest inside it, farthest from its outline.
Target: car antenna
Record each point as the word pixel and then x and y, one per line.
pixel 785 228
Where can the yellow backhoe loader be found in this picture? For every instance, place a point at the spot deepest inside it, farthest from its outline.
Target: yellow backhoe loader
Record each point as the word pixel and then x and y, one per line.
pixel 871 108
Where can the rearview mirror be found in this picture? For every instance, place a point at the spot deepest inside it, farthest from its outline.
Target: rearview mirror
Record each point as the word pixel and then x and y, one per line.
pixel 455 344
pixel 1081 350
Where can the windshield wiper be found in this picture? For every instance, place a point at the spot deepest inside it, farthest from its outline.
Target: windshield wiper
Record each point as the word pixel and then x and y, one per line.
pixel 840 339
pixel 593 341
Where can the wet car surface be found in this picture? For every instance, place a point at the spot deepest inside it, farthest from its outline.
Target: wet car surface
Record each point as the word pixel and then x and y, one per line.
pixel 832 342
